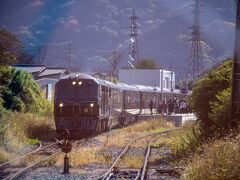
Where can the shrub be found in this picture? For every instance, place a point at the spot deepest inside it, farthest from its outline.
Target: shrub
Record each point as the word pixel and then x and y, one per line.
pixel 219 160
pixel 19 92
pixel 186 141
pixel 207 97
pixel 221 111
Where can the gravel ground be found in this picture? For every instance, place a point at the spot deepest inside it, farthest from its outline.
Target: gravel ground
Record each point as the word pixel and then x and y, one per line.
pixel 162 163
pixel 88 172
pixel 94 171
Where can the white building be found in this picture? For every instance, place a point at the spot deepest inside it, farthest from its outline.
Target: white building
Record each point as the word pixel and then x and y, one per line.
pixel 148 77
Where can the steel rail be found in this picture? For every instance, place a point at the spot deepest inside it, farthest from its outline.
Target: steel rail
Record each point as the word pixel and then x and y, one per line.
pixel 22 171
pixel 108 172
pixel 20 157
pixel 40 148
pixel 17 174
pixel 147 155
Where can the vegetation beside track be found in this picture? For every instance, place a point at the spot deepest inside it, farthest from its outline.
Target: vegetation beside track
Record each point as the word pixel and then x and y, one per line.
pixel 108 144
pixel 210 149
pixel 25 115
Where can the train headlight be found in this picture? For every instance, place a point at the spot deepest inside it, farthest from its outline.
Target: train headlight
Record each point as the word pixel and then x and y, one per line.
pixel 61 105
pixel 91 105
pixel 80 83
pixel 74 82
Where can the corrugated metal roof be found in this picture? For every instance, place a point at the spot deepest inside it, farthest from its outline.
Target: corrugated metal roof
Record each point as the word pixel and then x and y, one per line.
pixel 51 71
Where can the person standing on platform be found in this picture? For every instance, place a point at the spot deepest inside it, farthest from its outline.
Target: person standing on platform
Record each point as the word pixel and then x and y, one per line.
pixel 151 106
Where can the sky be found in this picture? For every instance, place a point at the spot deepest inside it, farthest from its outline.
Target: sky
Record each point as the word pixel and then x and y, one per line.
pixel 92 29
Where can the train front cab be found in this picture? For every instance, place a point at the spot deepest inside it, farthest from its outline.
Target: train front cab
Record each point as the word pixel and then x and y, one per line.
pixel 81 105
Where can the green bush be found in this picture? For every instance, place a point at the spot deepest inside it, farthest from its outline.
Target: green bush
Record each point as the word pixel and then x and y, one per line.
pixel 186 141
pixel 221 112
pixel 209 96
pixel 19 92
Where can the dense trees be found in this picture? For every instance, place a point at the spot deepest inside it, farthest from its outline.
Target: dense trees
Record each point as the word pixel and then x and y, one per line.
pixel 10 48
pixel 211 100
pixel 19 92
pixel 147 64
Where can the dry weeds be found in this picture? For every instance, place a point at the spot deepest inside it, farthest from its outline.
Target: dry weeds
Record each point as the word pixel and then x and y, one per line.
pixel 219 160
pixel 117 138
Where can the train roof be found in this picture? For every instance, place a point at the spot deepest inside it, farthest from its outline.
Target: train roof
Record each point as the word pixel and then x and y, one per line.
pixel 118 85
pixel 146 88
pixel 75 76
pixel 127 87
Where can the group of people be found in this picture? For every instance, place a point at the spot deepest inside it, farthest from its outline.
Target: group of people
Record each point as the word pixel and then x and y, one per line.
pixel 171 106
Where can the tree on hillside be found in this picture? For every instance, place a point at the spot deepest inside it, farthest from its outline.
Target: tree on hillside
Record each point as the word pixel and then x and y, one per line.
pixel 147 64
pixel 211 99
pixel 25 58
pixel 10 48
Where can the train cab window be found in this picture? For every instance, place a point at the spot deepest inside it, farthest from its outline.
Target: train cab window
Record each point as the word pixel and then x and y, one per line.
pixel 87 89
pixel 65 90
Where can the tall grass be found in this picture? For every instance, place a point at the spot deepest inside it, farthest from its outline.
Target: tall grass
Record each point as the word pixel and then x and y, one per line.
pixel 186 141
pixel 121 137
pixel 19 128
pixel 206 159
pixel 219 160
pixel 117 139
pixel 85 155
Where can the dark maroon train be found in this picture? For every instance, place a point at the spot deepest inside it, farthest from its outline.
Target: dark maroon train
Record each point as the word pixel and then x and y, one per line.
pixel 86 105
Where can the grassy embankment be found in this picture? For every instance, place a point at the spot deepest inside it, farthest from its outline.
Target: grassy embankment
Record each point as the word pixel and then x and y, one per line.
pixel 211 149
pixel 216 158
pixel 19 130
pixel 102 152
pixel 25 114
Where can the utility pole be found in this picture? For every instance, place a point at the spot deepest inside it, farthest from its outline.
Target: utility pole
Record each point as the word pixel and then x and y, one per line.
pixel 196 62
pixel 69 57
pixel 114 61
pixel 235 109
pixel 133 56
pixel 161 97
pixel 171 77
pixel 39 55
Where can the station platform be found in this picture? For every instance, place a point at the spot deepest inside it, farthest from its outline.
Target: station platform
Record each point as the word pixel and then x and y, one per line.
pixel 177 119
pixel 180 119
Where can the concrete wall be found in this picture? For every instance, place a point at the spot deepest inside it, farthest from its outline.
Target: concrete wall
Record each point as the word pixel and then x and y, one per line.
pixel 147 77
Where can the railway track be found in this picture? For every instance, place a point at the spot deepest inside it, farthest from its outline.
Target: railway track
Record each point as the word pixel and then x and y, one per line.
pixel 18 166
pixel 115 172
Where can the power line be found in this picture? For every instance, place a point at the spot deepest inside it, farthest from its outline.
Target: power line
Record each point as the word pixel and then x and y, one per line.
pixel 133 56
pixel 196 61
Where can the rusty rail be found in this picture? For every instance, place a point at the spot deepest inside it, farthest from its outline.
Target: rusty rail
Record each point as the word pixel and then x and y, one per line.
pixel 106 175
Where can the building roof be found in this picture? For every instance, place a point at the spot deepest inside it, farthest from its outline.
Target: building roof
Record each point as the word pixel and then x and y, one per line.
pixel 31 68
pixel 51 71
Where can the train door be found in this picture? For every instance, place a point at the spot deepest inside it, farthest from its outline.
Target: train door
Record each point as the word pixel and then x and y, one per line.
pixel 104 99
pixel 124 102
pixel 102 96
pixel 141 103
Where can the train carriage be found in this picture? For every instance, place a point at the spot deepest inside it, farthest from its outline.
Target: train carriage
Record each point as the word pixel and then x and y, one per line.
pixel 85 105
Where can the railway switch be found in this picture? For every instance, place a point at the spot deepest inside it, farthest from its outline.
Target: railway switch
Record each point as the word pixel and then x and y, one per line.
pixel 66 147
